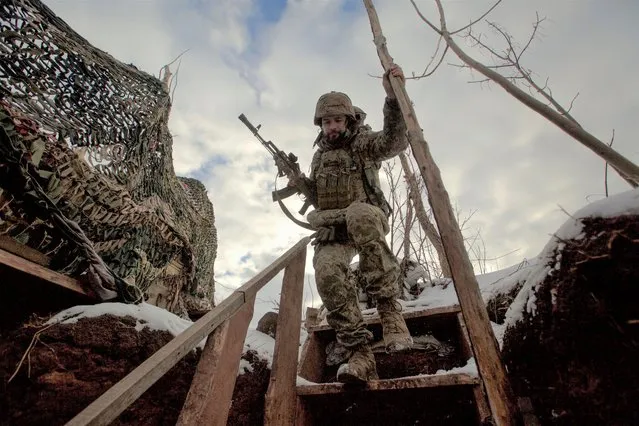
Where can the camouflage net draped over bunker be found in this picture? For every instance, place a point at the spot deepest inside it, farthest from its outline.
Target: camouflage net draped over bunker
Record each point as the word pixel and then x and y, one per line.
pixel 93 135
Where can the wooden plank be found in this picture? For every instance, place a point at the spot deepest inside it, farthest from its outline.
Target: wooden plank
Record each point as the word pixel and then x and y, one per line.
pixel 479 394
pixel 312 359
pixel 28 267
pixel 107 407
pixel 484 416
pixel 489 362
pixel 464 340
pixel 12 246
pixel 303 416
pixel 114 401
pixel 527 412
pixel 281 396
pixel 209 399
pixel 412 382
pixel 429 312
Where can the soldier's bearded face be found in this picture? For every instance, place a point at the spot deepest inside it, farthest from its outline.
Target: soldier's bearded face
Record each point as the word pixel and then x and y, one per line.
pixel 334 126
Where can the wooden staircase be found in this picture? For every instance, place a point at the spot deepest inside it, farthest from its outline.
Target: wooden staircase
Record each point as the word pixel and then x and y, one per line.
pixel 304 393
pixel 403 395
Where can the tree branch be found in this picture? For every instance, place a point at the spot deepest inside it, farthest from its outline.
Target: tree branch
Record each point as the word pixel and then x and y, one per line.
pixel 476 20
pixel 561 118
pixel 434 28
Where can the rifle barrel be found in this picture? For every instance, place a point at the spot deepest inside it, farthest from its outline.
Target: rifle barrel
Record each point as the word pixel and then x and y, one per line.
pixel 248 124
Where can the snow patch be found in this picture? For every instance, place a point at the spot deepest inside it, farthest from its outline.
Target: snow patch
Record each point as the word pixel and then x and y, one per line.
pixel 245 367
pixel 154 318
pixel 147 316
pixel 261 343
pixel 442 293
pixel 470 368
pixel 301 381
pixel 499 330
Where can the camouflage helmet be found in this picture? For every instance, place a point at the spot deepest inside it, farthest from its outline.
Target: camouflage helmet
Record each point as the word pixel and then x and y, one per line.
pixel 333 103
pixel 360 115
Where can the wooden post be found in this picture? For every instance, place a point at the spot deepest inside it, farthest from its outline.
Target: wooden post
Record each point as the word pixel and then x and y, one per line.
pixel 107 407
pixel 200 388
pixel 491 367
pixel 481 402
pixel 281 396
pixel 42 273
pixel 209 399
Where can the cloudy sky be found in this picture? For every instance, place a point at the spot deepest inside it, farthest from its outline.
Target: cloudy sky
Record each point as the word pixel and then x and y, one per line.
pixel 272 59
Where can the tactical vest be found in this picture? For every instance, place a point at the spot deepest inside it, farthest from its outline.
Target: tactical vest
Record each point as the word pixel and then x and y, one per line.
pixel 343 176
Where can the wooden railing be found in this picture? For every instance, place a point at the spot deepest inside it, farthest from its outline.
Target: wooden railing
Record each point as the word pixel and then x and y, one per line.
pixel 209 398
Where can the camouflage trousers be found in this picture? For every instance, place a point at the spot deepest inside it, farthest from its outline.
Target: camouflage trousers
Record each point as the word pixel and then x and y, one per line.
pixel 367 227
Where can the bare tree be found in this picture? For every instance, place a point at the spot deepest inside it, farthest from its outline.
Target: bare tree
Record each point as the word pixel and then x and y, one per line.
pixel 404 241
pixel 508 71
pixel 422 244
pixel 430 230
pixel 396 220
pixel 407 225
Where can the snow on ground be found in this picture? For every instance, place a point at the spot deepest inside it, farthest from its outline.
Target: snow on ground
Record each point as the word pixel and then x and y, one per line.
pixel 549 259
pixel 440 293
pixel 499 330
pixel 261 343
pixel 470 368
pixel 154 318
pixel 147 316
pixel 301 381
pixel 436 294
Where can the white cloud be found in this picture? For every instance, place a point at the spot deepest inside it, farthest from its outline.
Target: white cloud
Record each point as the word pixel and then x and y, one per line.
pixel 495 155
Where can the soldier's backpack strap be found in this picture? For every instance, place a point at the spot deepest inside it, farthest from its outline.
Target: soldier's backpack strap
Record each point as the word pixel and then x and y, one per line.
pixel 371 184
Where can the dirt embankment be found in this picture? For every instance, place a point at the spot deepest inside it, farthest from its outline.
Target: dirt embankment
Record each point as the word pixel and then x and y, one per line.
pixel 577 357
pixel 71 365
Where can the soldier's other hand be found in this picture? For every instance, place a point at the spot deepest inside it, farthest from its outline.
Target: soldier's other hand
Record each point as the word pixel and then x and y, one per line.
pixel 292 181
pixel 322 235
pixel 396 71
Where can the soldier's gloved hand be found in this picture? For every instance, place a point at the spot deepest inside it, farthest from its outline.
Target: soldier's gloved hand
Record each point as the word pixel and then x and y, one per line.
pixel 324 234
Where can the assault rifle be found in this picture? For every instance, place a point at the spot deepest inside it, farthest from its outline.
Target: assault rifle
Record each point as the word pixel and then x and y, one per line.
pixel 288 166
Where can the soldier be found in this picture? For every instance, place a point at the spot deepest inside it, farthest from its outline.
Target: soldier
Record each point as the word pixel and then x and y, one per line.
pixel 352 218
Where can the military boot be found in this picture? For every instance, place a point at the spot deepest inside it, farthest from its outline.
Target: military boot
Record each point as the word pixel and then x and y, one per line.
pixel 360 367
pixel 396 335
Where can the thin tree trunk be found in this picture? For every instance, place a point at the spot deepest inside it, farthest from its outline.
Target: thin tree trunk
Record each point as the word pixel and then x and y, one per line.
pixel 420 212
pixel 408 224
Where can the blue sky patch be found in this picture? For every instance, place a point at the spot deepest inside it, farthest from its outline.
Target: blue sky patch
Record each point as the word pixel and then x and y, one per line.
pixel 268 12
pixel 271 10
pixel 351 6
pixel 204 171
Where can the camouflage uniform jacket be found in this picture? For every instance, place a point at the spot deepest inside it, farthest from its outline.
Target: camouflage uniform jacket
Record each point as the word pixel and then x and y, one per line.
pixel 342 175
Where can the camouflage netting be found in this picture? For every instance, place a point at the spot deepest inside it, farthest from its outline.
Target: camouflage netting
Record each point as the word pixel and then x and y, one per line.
pixel 94 146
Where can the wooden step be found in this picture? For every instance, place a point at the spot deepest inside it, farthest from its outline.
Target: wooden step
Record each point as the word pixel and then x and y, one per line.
pixel 414 382
pixel 451 310
pixel 447 321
